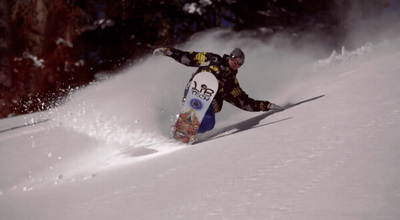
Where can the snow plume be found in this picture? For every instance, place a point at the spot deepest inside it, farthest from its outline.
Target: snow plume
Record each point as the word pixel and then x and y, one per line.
pixel 88 120
pixel 101 120
pixel 149 94
pixel 368 21
pixel 346 55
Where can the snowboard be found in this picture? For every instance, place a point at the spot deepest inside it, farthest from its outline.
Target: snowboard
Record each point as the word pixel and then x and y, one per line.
pixel 199 96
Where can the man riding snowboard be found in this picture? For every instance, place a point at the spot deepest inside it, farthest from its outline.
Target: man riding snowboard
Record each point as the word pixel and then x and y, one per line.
pixel 225 69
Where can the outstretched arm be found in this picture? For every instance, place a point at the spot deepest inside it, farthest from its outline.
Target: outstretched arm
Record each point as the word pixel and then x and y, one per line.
pixel 243 101
pixel 194 59
pixel 240 99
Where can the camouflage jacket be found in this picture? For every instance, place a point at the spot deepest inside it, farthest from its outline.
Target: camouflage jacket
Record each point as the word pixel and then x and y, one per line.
pixel 229 88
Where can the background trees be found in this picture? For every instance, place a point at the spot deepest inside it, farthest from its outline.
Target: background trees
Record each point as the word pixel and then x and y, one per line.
pixel 50 46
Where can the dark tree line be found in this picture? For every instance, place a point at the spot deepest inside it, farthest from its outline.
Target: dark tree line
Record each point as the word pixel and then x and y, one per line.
pixel 50 46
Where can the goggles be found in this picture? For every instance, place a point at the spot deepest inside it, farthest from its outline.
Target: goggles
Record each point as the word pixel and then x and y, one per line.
pixel 237 59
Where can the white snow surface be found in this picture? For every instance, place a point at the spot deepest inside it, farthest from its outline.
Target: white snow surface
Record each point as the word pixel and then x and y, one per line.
pixel 105 153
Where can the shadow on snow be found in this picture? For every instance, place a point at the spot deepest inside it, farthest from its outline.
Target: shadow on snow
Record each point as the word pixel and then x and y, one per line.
pixel 250 123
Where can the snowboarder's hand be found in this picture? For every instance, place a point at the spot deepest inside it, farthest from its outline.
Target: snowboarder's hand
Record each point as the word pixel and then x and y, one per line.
pixel 275 107
pixel 159 51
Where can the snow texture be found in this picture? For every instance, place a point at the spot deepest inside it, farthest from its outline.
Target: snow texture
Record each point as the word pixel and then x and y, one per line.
pixel 105 154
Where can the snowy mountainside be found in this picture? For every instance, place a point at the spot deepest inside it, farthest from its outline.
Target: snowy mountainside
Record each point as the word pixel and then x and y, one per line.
pixel 104 154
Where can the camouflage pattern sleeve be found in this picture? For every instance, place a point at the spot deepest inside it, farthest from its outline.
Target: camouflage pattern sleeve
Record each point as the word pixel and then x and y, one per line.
pixel 240 99
pixel 194 59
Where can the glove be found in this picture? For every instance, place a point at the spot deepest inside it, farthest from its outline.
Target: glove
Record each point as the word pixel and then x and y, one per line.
pixel 159 51
pixel 275 107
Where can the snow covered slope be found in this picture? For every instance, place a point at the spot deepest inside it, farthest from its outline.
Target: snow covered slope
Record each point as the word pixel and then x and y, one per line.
pixel 104 154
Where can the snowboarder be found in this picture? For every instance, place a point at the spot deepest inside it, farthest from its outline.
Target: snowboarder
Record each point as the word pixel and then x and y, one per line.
pixel 225 69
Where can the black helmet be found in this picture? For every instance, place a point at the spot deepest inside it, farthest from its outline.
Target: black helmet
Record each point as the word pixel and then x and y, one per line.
pixel 238 54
